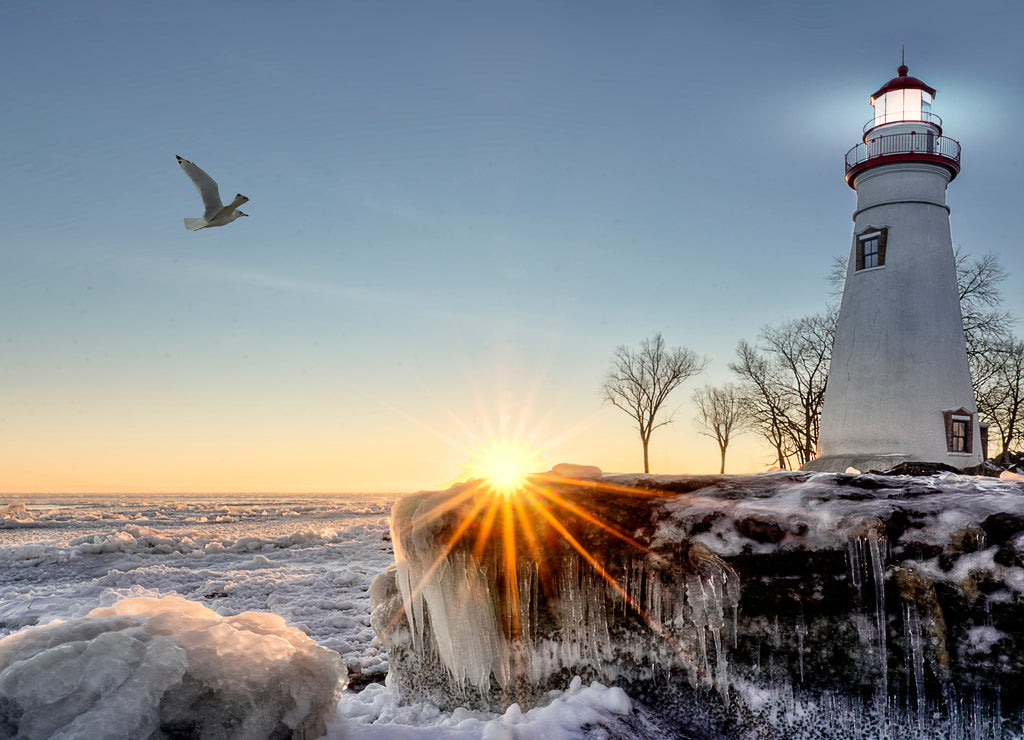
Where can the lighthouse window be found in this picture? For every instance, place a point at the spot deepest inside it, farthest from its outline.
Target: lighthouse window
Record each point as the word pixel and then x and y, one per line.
pixel 959 431
pixel 871 249
pixel 959 435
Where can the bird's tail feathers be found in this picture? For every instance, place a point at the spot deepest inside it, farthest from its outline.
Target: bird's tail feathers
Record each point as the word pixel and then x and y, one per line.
pixel 194 224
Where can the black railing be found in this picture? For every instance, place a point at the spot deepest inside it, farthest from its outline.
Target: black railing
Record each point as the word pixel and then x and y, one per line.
pixel 903 117
pixel 935 148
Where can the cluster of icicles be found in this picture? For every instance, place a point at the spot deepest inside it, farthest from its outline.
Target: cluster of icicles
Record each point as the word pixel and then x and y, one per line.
pixel 690 617
pixel 953 715
pixel 687 616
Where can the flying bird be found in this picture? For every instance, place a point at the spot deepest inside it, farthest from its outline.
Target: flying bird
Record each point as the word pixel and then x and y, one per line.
pixel 217 214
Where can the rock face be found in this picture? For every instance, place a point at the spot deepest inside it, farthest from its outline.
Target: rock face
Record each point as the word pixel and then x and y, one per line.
pixel 780 605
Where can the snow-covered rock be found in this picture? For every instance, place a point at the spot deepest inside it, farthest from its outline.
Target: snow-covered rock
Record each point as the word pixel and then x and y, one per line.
pixel 169 667
pixel 777 605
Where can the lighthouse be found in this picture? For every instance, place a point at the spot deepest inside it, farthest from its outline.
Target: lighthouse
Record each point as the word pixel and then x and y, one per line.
pixel 899 385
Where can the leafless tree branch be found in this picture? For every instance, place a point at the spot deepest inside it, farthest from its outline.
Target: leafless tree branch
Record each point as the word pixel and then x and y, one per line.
pixel 640 381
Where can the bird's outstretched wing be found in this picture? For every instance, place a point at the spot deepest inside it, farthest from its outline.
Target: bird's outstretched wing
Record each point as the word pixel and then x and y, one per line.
pixel 206 186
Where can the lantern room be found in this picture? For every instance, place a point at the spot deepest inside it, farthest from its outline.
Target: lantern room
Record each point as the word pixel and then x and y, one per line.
pixel 903 129
pixel 903 99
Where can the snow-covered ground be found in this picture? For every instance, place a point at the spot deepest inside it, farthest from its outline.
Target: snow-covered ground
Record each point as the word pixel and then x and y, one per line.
pixel 307 558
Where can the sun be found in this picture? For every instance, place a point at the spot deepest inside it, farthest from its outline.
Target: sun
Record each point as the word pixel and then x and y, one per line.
pixel 505 465
pixel 505 474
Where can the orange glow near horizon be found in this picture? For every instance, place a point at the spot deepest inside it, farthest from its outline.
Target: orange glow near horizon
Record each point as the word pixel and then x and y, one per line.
pixel 403 454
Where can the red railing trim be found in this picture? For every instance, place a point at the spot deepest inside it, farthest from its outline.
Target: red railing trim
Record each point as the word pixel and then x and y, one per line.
pixel 903 147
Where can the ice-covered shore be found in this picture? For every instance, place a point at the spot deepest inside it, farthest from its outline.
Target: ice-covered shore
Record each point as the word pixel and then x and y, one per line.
pixel 299 565
pixel 785 605
pixel 311 560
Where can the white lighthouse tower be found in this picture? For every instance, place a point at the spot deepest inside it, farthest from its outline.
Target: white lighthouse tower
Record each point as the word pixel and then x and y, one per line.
pixel 899 386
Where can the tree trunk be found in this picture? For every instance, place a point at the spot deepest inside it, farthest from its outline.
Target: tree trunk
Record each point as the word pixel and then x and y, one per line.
pixel 722 471
pixel 647 467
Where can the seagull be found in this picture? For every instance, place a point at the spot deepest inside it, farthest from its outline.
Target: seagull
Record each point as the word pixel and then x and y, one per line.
pixel 217 214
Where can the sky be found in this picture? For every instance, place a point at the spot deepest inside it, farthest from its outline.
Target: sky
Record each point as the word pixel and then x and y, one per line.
pixel 458 210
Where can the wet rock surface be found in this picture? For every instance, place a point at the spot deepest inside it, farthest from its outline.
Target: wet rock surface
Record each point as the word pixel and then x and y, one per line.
pixel 753 606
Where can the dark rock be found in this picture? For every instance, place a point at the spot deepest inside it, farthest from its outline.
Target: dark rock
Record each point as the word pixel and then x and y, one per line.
pixel 1002 525
pixel 947 560
pixel 1007 460
pixel 1007 556
pixel 919 551
pixel 896 597
pixel 918 469
pixel 761 530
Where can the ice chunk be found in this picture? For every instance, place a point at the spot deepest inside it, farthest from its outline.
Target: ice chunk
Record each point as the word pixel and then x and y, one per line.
pixel 505 625
pixel 169 666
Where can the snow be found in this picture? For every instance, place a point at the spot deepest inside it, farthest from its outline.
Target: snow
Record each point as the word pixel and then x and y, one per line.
pixel 130 595
pixel 147 664
pixel 145 591
pixel 374 714
pixel 947 503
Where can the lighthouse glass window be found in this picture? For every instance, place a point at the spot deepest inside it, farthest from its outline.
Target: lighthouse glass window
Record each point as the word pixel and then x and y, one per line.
pixel 959 431
pixel 868 252
pixel 903 104
pixel 959 436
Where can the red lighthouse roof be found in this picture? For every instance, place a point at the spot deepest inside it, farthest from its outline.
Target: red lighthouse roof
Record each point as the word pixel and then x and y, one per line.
pixel 903 82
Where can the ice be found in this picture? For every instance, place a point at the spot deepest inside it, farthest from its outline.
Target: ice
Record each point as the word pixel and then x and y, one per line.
pixel 876 656
pixel 579 712
pixel 309 560
pixel 494 642
pixel 914 638
pixel 167 665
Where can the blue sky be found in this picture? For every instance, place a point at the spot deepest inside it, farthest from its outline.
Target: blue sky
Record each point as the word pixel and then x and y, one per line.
pixel 457 212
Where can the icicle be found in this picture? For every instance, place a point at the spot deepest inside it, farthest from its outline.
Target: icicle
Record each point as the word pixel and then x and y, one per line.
pixel 708 593
pixel 654 597
pixel 801 632
pixel 877 564
pixel 736 626
pixel 406 575
pixel 915 657
pixel 853 548
pixel 698 613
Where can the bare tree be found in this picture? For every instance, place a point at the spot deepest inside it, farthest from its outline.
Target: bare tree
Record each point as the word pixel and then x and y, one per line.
pixel 721 414
pixel 783 383
pixel 766 405
pixel 765 402
pixel 837 276
pixel 978 281
pixel 640 381
pixel 1000 393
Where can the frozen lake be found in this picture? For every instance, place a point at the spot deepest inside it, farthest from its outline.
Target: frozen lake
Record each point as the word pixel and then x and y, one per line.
pixel 309 559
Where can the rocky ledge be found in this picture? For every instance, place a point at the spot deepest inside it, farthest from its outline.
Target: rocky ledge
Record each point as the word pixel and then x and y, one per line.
pixel 789 604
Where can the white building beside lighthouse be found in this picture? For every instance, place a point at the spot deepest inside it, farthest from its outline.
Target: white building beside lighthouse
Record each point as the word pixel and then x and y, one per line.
pixel 899 386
